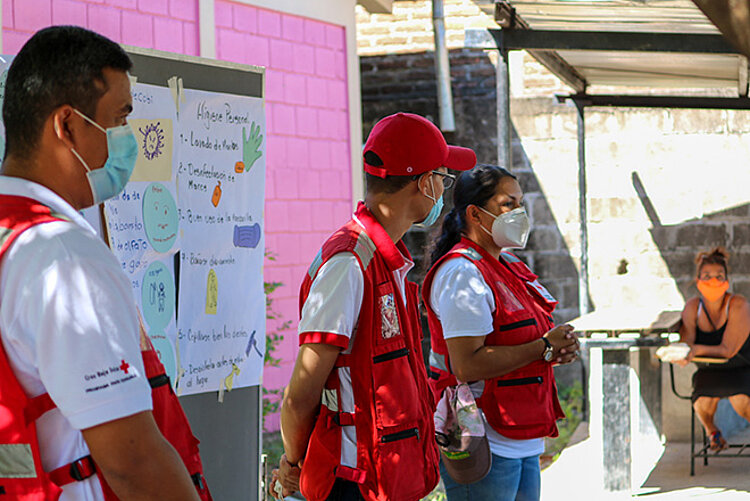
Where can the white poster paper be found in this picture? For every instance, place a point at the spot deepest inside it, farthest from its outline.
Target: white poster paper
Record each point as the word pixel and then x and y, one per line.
pixel 221 186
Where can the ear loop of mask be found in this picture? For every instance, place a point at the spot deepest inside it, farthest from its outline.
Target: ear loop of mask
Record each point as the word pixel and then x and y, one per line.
pixel 432 185
pixel 78 156
pixel 89 120
pixel 493 221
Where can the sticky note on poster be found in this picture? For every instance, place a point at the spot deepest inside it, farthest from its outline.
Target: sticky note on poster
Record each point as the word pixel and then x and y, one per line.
pixel 155 137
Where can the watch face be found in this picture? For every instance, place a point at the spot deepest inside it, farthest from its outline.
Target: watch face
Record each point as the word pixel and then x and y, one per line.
pixel 548 354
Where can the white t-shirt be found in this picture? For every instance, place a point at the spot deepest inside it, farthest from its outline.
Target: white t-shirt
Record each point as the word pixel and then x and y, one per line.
pixel 70 328
pixel 463 302
pixel 332 309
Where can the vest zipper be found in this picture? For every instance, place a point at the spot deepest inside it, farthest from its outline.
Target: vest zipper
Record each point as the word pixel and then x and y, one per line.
pixel 521 381
pixel 517 325
pixel 400 435
pixel 390 355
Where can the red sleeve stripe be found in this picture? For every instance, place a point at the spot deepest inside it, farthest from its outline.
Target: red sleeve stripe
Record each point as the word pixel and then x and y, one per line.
pixel 324 338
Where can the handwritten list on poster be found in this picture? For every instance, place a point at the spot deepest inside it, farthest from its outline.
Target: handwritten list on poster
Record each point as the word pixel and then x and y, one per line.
pixel 221 184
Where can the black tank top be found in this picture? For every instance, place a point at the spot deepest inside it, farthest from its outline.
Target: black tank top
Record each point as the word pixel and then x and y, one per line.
pixel 714 337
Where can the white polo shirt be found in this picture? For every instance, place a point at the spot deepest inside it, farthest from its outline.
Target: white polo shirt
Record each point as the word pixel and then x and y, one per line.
pixel 332 307
pixel 69 326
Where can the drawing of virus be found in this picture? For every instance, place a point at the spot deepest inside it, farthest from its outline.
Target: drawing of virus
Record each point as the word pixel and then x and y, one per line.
pixel 153 140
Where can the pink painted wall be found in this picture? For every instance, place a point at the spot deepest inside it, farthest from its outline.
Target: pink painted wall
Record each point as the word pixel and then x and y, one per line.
pixel 170 25
pixel 308 181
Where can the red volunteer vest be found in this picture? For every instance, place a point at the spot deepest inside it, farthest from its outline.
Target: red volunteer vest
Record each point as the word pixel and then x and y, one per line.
pixel 19 448
pixel 523 403
pixel 396 453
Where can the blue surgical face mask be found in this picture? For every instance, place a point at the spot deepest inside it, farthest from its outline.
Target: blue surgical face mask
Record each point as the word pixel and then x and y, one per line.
pixel 122 153
pixel 437 207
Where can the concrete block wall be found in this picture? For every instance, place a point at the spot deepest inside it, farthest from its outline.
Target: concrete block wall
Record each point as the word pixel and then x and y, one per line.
pixel 662 185
pixel 650 210
pixel 169 25
pixel 409 27
pixel 308 182
pixel 408 30
pixel 406 82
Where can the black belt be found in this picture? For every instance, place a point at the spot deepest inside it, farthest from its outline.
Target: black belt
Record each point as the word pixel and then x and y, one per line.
pixel 159 380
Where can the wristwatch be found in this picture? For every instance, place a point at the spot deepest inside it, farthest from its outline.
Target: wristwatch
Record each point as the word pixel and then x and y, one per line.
pixel 548 353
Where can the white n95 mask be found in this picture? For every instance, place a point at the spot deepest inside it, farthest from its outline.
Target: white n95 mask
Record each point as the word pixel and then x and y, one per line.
pixel 510 230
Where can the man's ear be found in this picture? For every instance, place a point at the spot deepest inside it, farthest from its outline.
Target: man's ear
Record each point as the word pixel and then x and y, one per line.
pixel 62 119
pixel 423 181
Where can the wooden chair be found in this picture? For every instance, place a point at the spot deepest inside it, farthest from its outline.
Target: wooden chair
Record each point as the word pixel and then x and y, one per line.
pixel 705 452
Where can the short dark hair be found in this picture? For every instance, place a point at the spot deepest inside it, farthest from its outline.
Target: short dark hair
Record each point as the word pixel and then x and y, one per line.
pixel 57 66
pixel 387 184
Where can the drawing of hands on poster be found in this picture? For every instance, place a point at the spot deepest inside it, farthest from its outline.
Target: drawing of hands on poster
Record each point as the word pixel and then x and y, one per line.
pixel 251 145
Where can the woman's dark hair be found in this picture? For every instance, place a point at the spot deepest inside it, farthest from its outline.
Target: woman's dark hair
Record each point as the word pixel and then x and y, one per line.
pixel 473 187
pixel 719 256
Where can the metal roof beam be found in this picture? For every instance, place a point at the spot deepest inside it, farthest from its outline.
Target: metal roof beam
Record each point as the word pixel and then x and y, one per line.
pixel 483 39
pixel 685 102
pixel 515 39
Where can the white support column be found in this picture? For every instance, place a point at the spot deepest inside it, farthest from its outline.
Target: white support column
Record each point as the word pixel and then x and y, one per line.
pixel 207 28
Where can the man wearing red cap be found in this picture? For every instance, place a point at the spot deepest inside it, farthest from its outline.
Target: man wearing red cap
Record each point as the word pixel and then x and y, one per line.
pixel 356 418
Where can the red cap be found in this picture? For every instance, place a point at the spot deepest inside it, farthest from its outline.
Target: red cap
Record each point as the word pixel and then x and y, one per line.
pixel 409 145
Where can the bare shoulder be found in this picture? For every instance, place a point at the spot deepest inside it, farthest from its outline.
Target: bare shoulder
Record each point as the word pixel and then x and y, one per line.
pixel 738 302
pixel 691 308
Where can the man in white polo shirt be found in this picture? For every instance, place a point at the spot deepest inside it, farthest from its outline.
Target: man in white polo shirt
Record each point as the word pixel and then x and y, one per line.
pixel 68 322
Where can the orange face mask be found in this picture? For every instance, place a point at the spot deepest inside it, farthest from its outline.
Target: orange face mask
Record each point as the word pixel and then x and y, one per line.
pixel 712 289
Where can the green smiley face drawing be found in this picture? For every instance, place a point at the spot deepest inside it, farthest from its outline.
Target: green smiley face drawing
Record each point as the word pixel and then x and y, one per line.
pixel 160 217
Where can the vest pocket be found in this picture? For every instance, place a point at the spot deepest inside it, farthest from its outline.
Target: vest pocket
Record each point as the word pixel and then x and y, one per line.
pixel 521 381
pixel 400 435
pixel 400 461
pixel 394 388
pixel 523 401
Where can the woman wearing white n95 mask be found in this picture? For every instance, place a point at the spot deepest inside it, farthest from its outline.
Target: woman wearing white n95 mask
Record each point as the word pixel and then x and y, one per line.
pixel 491 326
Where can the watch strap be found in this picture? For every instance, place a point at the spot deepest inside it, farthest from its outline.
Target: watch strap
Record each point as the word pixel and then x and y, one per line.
pixel 548 349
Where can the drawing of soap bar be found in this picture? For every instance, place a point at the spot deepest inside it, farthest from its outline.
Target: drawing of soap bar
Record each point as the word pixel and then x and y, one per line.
pixel 247 236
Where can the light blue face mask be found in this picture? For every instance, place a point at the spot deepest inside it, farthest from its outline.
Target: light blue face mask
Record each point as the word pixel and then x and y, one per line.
pixel 122 153
pixel 437 208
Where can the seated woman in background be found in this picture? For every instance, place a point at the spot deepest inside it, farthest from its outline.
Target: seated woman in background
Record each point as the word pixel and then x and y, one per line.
pixel 716 324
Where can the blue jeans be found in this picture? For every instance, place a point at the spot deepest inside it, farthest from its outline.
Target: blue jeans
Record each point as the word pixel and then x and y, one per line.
pixel 508 480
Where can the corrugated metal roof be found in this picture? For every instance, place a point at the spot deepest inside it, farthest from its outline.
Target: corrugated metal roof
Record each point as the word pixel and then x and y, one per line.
pixel 653 16
pixel 636 69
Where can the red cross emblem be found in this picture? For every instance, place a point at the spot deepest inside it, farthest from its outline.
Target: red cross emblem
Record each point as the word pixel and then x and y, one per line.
pixel 124 366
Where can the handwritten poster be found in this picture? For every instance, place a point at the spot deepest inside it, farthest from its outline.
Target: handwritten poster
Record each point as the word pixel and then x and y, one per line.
pixel 221 183
pixel 197 192
pixel 143 222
